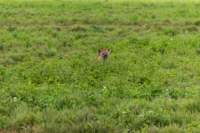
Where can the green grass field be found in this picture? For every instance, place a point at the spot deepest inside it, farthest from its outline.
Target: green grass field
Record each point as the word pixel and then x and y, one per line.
pixel 50 81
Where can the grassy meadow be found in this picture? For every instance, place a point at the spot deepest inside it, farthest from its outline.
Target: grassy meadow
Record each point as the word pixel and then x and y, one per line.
pixel 50 81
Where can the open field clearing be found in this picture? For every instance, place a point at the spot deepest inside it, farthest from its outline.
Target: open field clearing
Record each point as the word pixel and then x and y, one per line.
pixel 51 82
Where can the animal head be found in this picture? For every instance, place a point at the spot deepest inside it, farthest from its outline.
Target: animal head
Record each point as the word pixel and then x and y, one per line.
pixel 103 53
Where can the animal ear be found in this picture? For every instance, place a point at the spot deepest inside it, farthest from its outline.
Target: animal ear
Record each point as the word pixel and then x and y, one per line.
pixel 109 50
pixel 99 50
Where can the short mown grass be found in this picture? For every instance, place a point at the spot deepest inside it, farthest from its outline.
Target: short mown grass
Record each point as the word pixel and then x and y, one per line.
pixel 51 82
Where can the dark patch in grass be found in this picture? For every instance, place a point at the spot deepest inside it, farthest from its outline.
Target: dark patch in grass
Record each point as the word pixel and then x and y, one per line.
pixel 197 22
pixel 144 80
pixel 58 28
pixel 198 50
pixel 191 29
pixel 66 44
pixel 11 28
pixel 2 47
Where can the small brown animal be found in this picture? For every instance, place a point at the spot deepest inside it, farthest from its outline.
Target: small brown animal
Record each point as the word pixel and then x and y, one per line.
pixel 103 54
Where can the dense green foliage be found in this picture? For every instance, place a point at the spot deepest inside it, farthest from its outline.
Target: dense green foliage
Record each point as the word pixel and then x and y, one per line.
pixel 51 82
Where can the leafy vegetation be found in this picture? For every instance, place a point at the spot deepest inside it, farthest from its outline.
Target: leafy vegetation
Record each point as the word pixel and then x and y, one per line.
pixel 51 82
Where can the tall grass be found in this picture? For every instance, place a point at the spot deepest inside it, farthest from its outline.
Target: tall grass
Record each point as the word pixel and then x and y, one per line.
pixel 51 82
